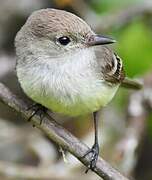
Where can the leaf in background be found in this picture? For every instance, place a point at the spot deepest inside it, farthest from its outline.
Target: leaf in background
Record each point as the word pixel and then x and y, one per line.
pixel 135 48
pixel 150 125
pixel 101 6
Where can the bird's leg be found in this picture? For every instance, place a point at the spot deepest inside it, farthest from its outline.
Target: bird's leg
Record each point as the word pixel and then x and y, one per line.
pixel 37 109
pixel 94 151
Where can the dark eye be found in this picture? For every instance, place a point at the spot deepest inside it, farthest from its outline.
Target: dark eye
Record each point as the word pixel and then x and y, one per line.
pixel 64 40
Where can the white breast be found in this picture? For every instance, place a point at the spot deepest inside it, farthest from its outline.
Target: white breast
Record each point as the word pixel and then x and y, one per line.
pixel 71 86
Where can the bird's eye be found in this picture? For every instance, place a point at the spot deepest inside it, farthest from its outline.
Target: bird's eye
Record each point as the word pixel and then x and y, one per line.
pixel 64 40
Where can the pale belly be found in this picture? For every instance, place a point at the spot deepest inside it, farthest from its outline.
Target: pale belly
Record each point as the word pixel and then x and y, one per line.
pixel 69 99
pixel 81 104
pixel 72 88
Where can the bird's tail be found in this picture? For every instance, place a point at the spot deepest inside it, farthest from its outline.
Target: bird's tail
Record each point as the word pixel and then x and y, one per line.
pixel 131 84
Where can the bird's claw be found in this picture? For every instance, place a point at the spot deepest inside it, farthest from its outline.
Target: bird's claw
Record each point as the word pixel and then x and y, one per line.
pixel 94 151
pixel 37 109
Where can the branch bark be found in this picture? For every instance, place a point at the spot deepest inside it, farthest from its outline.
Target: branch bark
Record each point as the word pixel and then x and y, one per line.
pixel 59 135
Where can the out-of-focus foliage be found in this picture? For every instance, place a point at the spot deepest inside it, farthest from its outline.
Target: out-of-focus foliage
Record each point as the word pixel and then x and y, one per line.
pixel 102 6
pixel 135 47
pixel 134 40
pixel 150 126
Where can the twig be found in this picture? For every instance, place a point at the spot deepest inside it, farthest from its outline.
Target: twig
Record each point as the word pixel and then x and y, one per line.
pixel 58 134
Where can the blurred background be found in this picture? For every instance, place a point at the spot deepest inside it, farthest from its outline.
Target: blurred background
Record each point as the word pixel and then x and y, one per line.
pixel 125 124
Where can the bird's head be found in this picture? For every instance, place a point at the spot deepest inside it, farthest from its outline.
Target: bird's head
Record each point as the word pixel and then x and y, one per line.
pixel 56 33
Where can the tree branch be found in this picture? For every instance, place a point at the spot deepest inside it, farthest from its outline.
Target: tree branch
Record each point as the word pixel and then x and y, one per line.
pixel 58 134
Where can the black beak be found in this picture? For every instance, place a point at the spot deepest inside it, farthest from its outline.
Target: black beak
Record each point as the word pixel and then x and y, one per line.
pixel 99 40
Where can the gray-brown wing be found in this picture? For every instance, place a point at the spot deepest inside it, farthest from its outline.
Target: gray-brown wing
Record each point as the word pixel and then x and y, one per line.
pixel 112 68
pixel 110 64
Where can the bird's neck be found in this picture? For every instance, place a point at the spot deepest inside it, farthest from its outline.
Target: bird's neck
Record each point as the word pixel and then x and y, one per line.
pixel 80 61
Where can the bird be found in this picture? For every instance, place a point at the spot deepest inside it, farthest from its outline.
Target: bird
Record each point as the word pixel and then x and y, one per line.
pixel 63 65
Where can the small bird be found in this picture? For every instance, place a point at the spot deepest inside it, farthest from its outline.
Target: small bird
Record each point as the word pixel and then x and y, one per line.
pixel 66 67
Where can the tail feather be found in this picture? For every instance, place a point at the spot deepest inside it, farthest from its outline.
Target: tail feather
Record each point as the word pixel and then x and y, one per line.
pixel 132 84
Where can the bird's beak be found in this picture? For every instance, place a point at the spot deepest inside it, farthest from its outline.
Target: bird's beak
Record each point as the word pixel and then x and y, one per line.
pixel 99 40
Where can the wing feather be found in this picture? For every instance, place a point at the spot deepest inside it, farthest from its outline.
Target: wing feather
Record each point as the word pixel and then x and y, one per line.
pixel 112 68
pixel 110 64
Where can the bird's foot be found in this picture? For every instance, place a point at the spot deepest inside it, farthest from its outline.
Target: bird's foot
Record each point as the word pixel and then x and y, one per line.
pixel 37 109
pixel 94 151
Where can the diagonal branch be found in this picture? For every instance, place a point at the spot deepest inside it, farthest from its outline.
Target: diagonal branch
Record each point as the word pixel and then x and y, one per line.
pixel 58 134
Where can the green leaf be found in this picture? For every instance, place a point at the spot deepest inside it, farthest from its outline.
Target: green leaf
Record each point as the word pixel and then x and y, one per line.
pixel 101 6
pixel 150 125
pixel 135 48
